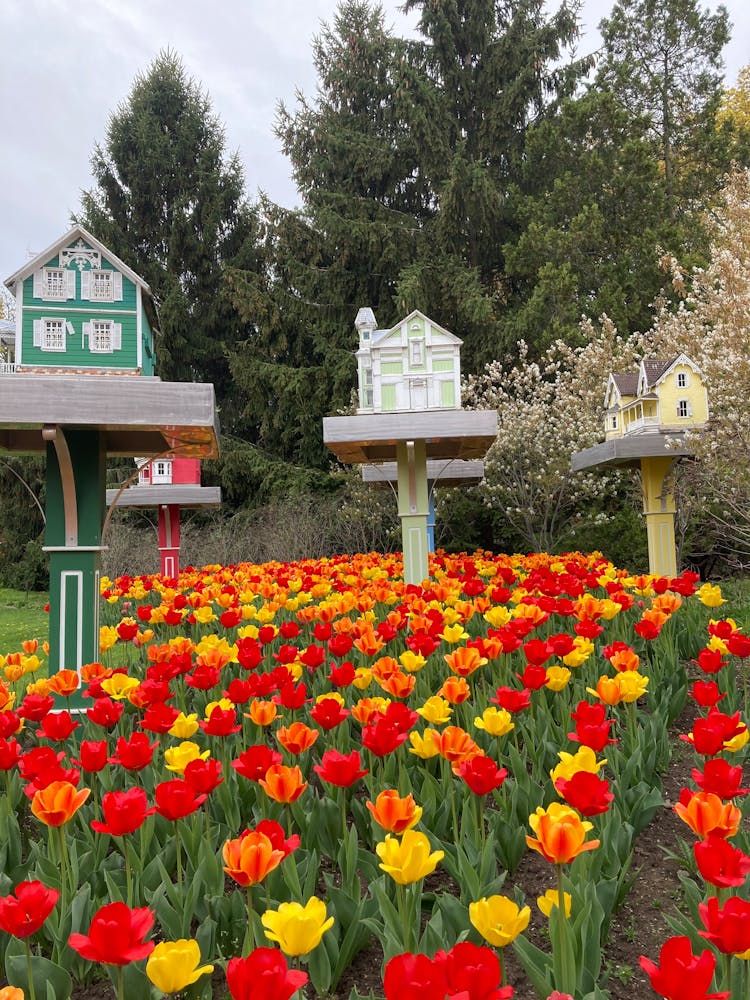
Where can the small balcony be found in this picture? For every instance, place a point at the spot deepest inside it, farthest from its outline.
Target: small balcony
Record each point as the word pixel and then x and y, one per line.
pixel 642 424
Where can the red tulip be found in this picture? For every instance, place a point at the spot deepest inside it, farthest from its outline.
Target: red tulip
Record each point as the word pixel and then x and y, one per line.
pixel 263 975
pixel 727 927
pixel 339 645
pixel 739 645
pixel 177 799
pixel 93 755
pixel 681 975
pixel 221 722
pixel 342 676
pixel 414 977
pixel 116 935
pixel 135 753
pixel 481 774
pixel 57 726
pixel 34 707
pixel 249 653
pixel 537 651
pixel 473 972
pixel 512 700
pixel 123 812
pixel 24 913
pixel 105 712
pixel 10 753
pixel 329 713
pixel 275 833
pixel 159 718
pixel 720 863
pixel 10 724
pixel 203 776
pixel 710 660
pixel 203 677
pixel 533 677
pixel 254 762
pixel 706 693
pixel 340 769
pixel 292 697
pixel 382 737
pixel 718 776
pixel 586 792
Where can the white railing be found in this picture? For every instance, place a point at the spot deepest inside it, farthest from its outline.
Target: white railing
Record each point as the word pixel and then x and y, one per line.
pixel 642 422
pixel 7 367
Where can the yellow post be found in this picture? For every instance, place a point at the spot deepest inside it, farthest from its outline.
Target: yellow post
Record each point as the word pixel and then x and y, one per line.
pixel 659 508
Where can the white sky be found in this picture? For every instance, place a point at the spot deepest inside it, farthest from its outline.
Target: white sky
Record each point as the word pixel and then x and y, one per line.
pixel 64 67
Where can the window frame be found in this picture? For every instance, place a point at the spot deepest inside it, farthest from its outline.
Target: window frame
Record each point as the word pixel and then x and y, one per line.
pixel 99 273
pixel 48 294
pixel 93 348
pixel 46 344
pixel 682 384
pixel 683 405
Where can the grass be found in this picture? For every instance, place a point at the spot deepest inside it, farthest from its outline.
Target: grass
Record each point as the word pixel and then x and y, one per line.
pixel 22 616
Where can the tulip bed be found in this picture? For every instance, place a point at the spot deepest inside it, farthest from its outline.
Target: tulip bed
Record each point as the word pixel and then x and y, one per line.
pixel 276 766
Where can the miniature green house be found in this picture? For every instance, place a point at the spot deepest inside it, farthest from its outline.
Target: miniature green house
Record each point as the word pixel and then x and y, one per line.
pixel 79 308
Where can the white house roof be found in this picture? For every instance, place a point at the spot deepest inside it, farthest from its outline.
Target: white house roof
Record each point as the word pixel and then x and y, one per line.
pixel 77 232
pixel 380 335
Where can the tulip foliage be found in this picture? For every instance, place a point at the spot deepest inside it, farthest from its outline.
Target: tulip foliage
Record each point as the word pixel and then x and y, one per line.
pixel 279 766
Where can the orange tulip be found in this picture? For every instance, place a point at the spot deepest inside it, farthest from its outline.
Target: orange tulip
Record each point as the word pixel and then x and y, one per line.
pixel 250 858
pixel 394 813
pixel 560 833
pixel 706 813
pixel 455 690
pixel 262 713
pixel 384 667
pixel 30 646
pixel 625 659
pixel 455 744
pixel 297 737
pixel 283 784
pixel 365 708
pixel 58 802
pixel 465 660
pixel 398 685
pixel 607 690
pixel 370 644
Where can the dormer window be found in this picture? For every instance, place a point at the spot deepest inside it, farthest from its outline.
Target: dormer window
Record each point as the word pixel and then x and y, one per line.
pixel 682 380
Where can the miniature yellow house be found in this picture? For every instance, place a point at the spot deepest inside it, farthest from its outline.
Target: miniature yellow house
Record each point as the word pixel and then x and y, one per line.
pixel 648 415
pixel 414 365
pixel 665 396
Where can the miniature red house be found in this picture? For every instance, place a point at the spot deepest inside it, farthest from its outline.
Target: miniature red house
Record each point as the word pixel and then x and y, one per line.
pixel 167 483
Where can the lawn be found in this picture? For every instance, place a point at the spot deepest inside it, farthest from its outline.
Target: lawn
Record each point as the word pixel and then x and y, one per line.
pixel 22 616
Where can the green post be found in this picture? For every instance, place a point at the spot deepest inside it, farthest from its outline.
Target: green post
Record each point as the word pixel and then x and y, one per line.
pixel 413 508
pixel 76 464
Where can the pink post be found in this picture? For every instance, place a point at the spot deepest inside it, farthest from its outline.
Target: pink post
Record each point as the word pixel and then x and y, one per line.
pixel 169 539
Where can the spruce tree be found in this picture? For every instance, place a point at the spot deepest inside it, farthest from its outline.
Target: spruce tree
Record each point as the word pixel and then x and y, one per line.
pixel 170 202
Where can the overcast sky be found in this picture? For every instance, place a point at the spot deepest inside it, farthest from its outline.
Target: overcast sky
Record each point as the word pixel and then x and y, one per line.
pixel 65 67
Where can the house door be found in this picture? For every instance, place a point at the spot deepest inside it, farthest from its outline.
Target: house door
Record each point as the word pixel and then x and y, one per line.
pixel 419 395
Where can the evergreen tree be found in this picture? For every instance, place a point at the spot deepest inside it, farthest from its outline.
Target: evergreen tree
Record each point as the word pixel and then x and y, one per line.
pixel 355 164
pixel 171 204
pixel 663 62
pixel 486 71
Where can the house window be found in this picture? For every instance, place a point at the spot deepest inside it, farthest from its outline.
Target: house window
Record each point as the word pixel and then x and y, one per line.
pixel 100 340
pixel 614 423
pixel 53 335
pixel 683 408
pixel 367 387
pixel 417 352
pixel 682 380
pixel 162 472
pixel 55 286
pixel 101 289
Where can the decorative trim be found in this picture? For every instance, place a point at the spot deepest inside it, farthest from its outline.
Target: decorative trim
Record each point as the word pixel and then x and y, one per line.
pixel 78 575
pixel 55 434
pixel 81 309
pixel 75 548
pixel 80 255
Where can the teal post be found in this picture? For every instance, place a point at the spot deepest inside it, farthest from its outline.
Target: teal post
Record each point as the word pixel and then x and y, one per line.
pixel 413 507
pixel 76 464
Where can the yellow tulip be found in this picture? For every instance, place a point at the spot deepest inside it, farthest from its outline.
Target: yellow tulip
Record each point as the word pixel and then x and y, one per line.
pixel 632 685
pixel 570 763
pixel 498 919
pixel 177 758
pixel 173 965
pixel 551 900
pixel 184 726
pixel 411 662
pixel 362 678
pixel 436 711
pixel 710 595
pixel 297 929
pixel 454 633
pixel 409 859
pixel 496 722
pixel 119 686
pixel 557 678
pixel 423 745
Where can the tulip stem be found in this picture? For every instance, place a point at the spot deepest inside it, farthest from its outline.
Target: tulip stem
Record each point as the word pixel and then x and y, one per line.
pixel 249 942
pixel 562 920
pixel 344 830
pixel 29 971
pixel 405 929
pixel 128 875
pixel 65 879
pixel 120 982
pixel 178 848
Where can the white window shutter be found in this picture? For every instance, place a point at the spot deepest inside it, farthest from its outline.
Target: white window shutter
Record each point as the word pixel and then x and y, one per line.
pixel 116 336
pixel 70 283
pixel 69 327
pixel 38 329
pixel 117 286
pixel 690 409
pixel 86 334
pixel 86 285
pixel 38 284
